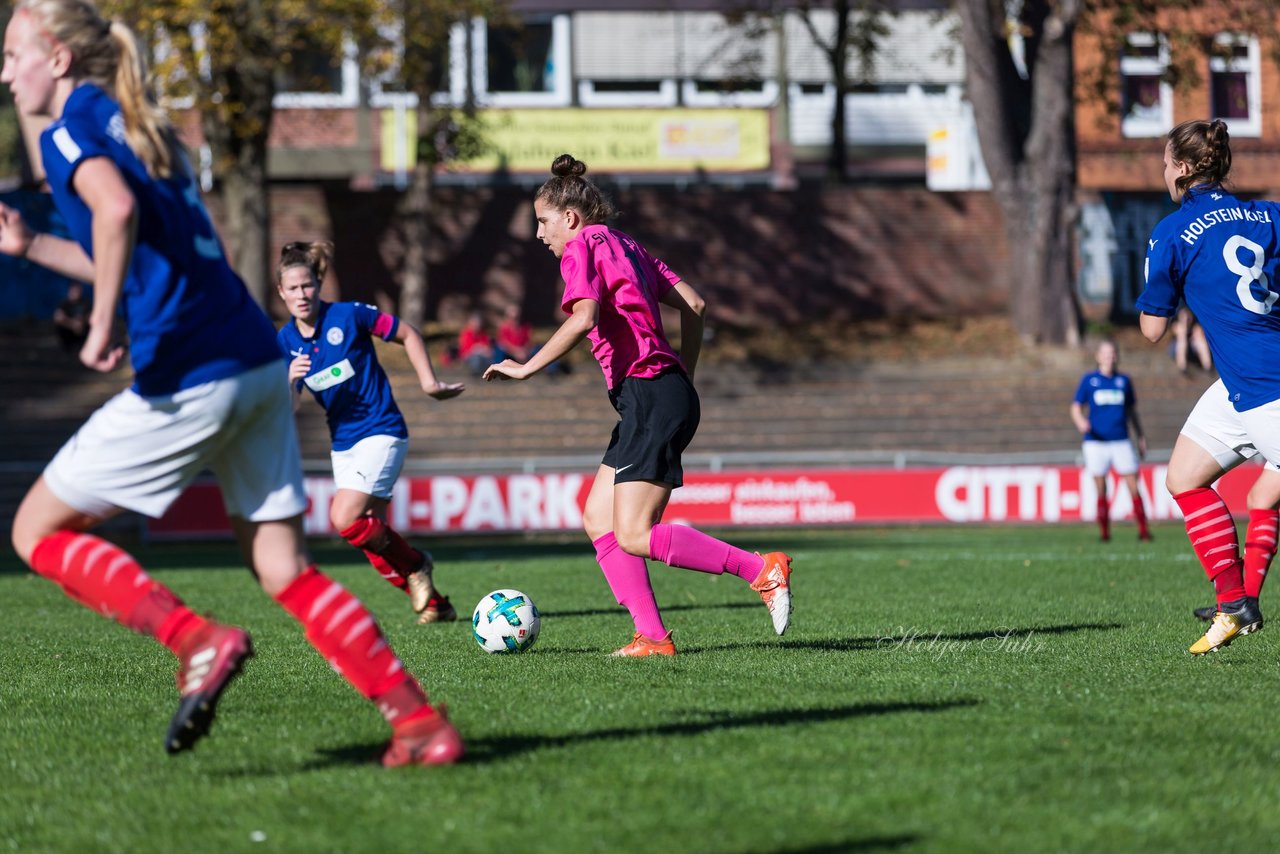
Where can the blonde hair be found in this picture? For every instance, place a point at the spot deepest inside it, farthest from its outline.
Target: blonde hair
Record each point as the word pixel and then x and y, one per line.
pixel 106 53
pixel 316 257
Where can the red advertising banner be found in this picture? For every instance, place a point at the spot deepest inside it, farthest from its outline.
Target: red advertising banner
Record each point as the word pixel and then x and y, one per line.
pixel 799 498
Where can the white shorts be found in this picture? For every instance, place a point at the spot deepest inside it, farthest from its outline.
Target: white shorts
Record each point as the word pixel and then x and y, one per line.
pixel 139 453
pixel 1232 437
pixel 1101 457
pixel 371 465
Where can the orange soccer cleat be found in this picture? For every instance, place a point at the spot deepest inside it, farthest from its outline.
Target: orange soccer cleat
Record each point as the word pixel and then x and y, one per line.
pixel 642 646
pixel 774 586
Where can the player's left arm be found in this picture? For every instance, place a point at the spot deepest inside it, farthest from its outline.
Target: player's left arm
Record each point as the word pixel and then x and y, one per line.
pixel 416 349
pixel 62 256
pixel 693 308
pixel 1153 327
pixel 115 222
pixel 582 319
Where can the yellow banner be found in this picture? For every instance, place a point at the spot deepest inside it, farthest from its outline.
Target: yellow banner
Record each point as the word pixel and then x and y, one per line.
pixel 674 140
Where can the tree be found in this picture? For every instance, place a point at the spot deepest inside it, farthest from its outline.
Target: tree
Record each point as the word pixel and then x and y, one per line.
pixel 857 29
pixel 1025 120
pixel 442 135
pixel 842 31
pixel 224 55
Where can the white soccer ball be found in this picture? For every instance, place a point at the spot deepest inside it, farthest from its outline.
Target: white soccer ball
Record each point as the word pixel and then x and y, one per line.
pixel 506 621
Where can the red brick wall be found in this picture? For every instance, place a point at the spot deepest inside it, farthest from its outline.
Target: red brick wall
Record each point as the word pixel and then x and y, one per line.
pixel 761 258
pixel 1109 161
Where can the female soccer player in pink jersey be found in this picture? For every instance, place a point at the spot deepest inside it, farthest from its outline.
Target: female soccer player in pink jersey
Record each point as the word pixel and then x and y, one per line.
pixel 208 389
pixel 329 348
pixel 613 289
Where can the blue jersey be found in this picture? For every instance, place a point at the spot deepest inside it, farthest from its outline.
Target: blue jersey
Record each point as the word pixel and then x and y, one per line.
pixel 1222 256
pixel 190 319
pixel 1110 400
pixel 346 379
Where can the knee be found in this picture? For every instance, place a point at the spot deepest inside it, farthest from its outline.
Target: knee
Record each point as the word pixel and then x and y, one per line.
pixel 595 526
pixel 633 541
pixel 343 518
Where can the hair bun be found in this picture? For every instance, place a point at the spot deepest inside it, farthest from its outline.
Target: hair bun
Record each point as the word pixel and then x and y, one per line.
pixel 566 165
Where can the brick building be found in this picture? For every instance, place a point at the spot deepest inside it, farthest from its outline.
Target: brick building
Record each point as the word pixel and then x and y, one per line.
pixel 1235 77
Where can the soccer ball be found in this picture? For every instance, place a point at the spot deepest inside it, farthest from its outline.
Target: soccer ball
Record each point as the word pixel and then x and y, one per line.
pixel 506 621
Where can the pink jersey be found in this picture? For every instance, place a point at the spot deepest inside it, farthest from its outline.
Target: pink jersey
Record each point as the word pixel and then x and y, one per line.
pixel 611 268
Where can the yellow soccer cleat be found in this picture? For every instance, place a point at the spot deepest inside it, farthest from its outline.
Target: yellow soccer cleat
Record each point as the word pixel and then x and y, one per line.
pixel 1233 619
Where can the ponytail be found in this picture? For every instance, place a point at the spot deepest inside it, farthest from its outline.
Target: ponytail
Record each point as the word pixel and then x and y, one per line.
pixel 106 54
pixel 316 257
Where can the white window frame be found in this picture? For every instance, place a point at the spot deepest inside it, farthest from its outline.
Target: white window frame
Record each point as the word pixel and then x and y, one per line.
pixel 456 78
pixel 766 97
pixel 1140 126
pixel 561 93
pixel 348 97
pixel 1250 65
pixel 667 95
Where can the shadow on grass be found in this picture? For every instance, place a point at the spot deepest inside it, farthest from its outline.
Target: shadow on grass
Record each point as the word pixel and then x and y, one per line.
pixel 613 612
pixel 870 843
pixel 500 748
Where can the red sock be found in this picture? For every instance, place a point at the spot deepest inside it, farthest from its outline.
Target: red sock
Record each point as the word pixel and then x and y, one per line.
pixel 1213 537
pixel 107 579
pixel 1104 517
pixel 689 548
pixel 345 633
pixel 1259 548
pixel 391 556
pixel 1140 516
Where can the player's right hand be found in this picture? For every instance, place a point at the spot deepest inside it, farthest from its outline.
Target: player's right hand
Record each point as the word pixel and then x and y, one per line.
pixel 15 236
pixel 507 369
pixel 299 368
pixel 100 351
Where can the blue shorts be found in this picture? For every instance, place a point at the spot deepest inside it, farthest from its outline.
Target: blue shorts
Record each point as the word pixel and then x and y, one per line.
pixel 657 419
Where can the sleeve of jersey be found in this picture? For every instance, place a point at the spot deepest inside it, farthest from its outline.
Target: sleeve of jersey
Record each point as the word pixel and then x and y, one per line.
pixel 1082 391
pixel 376 322
pixel 65 147
pixel 581 279
pixel 1160 296
pixel 667 278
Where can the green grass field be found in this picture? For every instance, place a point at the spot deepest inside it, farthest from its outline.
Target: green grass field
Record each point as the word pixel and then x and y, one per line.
pixel 941 689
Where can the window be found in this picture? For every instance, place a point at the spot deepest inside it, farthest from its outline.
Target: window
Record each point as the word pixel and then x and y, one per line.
pixel 312 77
pixel 1146 100
pixel 729 93
pixel 1234 83
pixel 447 63
pixel 522 66
pixel 627 93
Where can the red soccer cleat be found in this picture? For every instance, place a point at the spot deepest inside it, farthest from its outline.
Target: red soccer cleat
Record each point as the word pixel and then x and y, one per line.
pixel 427 741
pixel 208 662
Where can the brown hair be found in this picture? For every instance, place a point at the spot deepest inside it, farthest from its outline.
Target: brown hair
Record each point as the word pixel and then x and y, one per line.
pixel 106 53
pixel 1205 146
pixel 316 257
pixel 568 189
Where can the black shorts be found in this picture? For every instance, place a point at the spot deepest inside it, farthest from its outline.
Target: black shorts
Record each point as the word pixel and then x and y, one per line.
pixel 657 420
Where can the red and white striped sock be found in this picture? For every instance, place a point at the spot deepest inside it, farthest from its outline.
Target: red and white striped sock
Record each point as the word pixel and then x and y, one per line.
pixel 104 577
pixel 340 627
pixel 1213 537
pixel 390 554
pixel 1259 548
